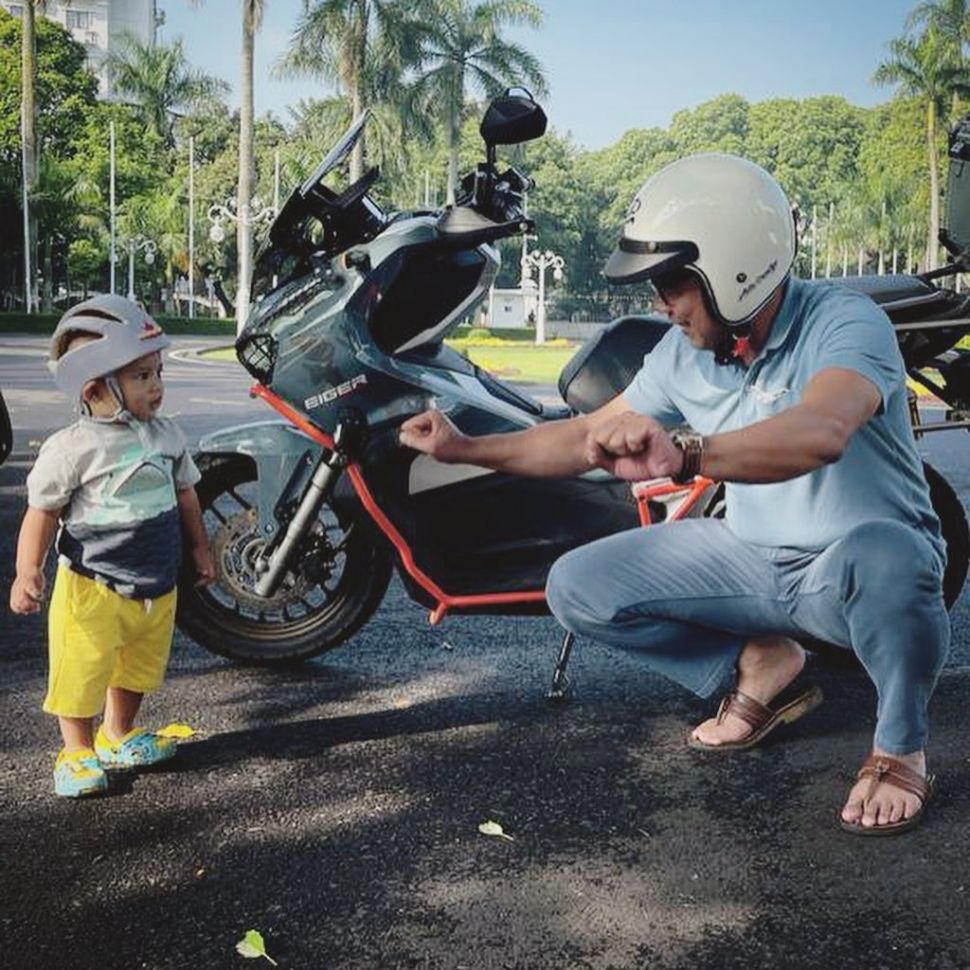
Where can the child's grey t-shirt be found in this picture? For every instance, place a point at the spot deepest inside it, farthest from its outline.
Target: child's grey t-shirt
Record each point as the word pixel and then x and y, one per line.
pixel 117 484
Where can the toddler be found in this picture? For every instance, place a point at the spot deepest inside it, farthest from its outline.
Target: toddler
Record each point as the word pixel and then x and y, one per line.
pixel 116 488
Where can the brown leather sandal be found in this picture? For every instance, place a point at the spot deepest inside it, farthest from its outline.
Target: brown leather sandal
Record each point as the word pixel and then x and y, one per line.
pixel 880 768
pixel 787 707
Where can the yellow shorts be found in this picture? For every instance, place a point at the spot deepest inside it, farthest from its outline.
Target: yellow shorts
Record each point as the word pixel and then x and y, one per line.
pixel 99 639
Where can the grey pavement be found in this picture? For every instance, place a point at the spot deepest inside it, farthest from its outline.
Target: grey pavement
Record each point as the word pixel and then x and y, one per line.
pixel 334 806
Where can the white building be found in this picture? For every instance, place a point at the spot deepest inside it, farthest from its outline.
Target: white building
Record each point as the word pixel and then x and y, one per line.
pixel 513 308
pixel 98 24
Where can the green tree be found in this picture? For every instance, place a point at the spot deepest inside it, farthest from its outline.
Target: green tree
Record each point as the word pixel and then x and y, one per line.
pixel 720 125
pixel 363 46
pixel 951 20
pixel 464 49
pixel 924 69
pixel 810 146
pixel 63 94
pixel 28 115
pixel 160 81
pixel 892 161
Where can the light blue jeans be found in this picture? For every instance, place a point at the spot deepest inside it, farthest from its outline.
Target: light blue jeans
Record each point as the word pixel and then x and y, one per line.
pixel 686 596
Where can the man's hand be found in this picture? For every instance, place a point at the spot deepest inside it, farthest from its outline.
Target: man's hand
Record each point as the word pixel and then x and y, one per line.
pixel 27 592
pixel 633 447
pixel 433 434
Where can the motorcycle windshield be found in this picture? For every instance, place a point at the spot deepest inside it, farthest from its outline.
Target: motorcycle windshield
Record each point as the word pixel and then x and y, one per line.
pixel 336 155
pixel 312 220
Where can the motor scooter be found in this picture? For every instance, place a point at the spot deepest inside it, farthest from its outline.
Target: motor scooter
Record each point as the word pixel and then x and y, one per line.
pixel 309 515
pixel 6 431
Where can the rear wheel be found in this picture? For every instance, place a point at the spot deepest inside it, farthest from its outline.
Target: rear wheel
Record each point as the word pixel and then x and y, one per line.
pixel 956 534
pixel 338 577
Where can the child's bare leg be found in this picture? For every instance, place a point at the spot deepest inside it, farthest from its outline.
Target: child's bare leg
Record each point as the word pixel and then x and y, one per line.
pixel 120 710
pixel 76 732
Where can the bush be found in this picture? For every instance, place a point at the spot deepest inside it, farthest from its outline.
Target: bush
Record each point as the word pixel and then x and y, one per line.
pixel 44 323
pixel 478 333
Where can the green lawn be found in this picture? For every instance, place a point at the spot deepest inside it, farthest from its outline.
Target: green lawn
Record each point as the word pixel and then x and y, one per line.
pixel 528 363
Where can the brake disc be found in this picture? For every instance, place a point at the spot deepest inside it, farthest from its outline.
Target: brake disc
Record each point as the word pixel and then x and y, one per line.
pixel 237 547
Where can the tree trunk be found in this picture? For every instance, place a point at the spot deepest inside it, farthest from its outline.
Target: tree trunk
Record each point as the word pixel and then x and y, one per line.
pixel 244 194
pixel 28 115
pixel 456 103
pixel 932 238
pixel 354 91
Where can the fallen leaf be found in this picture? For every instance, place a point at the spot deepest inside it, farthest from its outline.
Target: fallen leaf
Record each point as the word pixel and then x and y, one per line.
pixel 252 945
pixel 493 828
pixel 177 731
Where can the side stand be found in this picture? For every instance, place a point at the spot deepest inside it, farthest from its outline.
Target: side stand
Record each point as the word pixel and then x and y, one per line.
pixel 560 682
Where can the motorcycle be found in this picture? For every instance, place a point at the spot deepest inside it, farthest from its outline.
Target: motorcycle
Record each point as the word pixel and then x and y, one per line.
pixel 308 516
pixel 6 431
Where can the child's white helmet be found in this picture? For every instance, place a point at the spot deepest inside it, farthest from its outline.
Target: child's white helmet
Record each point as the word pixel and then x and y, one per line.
pixel 125 331
pixel 720 216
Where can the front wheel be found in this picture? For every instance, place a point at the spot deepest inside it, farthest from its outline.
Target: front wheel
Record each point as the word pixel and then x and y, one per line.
pixel 337 579
pixel 956 534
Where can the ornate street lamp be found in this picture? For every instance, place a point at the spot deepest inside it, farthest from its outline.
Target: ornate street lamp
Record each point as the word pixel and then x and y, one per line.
pixel 135 244
pixel 542 260
pixel 254 214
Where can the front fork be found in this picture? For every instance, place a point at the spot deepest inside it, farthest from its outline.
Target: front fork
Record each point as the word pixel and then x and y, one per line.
pixel 273 567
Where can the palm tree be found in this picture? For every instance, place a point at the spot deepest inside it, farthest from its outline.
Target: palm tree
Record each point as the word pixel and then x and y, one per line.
pixel 28 129
pixel 362 46
pixel 951 18
pixel 252 16
pixel 465 49
pixel 924 69
pixel 159 79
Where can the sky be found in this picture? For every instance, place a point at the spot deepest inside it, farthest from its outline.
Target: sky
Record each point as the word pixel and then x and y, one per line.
pixel 612 65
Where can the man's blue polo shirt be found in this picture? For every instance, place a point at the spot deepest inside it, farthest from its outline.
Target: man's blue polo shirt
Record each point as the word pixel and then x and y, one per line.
pixel 819 325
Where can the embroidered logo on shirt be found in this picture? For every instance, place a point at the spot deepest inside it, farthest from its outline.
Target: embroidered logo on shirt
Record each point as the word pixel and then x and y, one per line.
pixel 765 395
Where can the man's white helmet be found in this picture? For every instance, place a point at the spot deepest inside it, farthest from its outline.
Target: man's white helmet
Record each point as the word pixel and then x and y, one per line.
pixel 722 217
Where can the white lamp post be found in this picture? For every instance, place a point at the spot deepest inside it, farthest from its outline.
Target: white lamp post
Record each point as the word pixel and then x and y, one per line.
pixel 135 244
pixel 252 215
pixel 541 261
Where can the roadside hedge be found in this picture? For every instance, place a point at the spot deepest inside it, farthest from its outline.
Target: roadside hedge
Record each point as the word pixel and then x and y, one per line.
pixel 44 323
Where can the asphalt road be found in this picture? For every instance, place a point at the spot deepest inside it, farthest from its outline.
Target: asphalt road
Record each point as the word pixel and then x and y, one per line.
pixel 334 806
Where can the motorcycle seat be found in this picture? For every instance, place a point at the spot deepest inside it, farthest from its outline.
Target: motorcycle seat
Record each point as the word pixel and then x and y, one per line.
pixel 896 291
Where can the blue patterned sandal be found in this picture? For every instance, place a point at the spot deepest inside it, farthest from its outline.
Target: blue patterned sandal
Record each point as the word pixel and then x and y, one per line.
pixel 78 773
pixel 137 749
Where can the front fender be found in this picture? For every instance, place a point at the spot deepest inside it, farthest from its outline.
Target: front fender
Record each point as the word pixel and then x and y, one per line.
pixel 284 457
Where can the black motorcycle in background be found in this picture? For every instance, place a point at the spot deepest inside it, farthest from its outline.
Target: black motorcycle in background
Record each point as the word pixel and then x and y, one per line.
pixel 6 431
pixel 309 515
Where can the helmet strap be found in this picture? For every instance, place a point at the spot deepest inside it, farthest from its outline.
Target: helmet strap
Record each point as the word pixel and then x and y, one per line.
pixel 120 412
pixel 734 344
pixel 115 387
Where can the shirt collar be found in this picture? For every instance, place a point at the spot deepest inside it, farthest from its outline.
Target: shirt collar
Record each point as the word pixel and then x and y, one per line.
pixel 782 323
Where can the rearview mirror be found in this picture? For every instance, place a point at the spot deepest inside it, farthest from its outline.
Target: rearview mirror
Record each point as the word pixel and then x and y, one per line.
pixel 512 118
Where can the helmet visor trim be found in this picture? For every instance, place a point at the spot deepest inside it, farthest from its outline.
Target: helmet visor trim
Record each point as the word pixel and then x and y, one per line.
pixel 635 260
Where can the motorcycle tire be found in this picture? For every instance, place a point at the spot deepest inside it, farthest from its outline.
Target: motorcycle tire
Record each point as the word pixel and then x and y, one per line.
pixel 335 586
pixel 956 533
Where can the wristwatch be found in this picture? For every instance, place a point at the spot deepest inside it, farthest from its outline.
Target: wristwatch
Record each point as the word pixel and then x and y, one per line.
pixel 691 445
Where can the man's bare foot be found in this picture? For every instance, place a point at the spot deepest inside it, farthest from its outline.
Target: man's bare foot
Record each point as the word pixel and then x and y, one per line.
pixel 887 803
pixel 766 666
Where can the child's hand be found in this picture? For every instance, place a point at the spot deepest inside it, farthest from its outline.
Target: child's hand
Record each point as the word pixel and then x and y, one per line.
pixel 204 566
pixel 27 592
